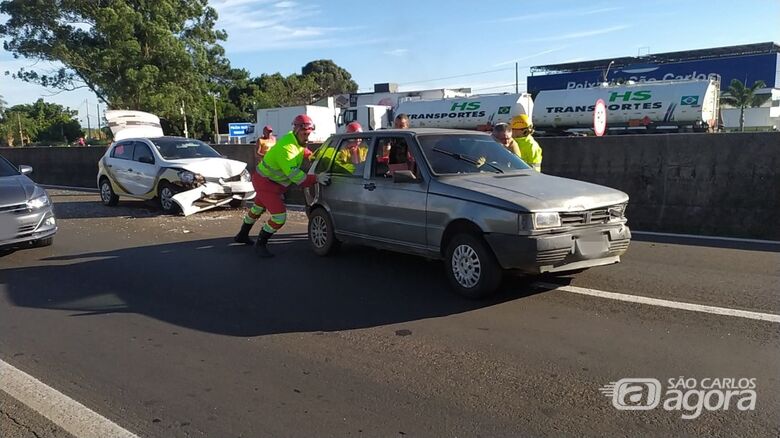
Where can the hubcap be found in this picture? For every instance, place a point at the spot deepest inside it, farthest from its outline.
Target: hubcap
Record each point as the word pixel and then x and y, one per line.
pixel 319 231
pixel 466 266
pixel 105 192
pixel 165 198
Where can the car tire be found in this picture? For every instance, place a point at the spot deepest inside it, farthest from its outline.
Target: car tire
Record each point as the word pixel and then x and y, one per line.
pixel 40 243
pixel 165 193
pixel 107 195
pixel 471 267
pixel 322 235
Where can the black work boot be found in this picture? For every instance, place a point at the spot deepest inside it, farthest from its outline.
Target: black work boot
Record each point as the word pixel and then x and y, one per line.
pixel 243 235
pixel 261 250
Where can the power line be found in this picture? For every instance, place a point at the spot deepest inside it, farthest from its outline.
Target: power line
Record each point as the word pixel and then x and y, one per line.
pixel 459 76
pixel 494 87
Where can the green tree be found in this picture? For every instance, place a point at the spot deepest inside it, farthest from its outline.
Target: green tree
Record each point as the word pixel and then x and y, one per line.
pixel 330 79
pixel 150 56
pixel 53 123
pixel 740 96
pixel 17 128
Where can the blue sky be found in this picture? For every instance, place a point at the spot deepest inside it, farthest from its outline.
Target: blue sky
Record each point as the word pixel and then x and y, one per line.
pixel 433 44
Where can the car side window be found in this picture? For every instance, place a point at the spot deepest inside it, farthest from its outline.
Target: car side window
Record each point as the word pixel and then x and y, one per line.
pixel 350 158
pixel 324 154
pixel 393 154
pixel 123 151
pixel 142 150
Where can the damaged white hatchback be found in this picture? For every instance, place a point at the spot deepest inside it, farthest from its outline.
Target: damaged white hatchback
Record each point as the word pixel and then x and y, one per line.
pixel 184 174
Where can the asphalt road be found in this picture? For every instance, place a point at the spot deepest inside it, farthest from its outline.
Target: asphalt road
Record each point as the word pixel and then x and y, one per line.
pixel 162 326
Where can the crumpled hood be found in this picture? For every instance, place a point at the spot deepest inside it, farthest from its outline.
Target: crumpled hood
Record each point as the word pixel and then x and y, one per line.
pixel 133 124
pixel 15 189
pixel 533 191
pixel 210 167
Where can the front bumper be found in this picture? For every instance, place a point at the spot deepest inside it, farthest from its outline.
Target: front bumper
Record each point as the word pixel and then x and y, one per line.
pixel 212 194
pixel 22 228
pixel 571 250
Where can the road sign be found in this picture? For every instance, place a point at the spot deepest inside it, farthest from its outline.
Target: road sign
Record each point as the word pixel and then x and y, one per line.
pixel 238 129
pixel 600 118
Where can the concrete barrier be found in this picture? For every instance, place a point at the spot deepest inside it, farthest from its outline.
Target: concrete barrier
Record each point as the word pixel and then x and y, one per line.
pixel 709 184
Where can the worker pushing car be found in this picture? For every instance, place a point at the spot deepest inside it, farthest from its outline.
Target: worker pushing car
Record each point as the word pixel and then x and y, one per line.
pixel 279 169
pixel 530 151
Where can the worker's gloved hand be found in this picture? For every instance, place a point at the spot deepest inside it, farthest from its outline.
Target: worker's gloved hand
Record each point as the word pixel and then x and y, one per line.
pixel 323 178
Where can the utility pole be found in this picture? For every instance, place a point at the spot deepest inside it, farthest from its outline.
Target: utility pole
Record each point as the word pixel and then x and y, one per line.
pixel 89 129
pixel 517 78
pixel 98 120
pixel 186 133
pixel 216 123
pixel 19 120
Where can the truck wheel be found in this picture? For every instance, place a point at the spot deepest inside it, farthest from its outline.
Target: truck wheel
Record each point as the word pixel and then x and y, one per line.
pixel 322 235
pixel 166 193
pixel 471 267
pixel 107 195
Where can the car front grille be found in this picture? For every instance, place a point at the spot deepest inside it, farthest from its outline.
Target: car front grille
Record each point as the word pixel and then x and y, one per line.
pixel 26 229
pixel 552 256
pixel 587 217
pixel 619 245
pixel 15 209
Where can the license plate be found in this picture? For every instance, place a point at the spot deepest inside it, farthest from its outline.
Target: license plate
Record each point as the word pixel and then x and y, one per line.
pixel 591 244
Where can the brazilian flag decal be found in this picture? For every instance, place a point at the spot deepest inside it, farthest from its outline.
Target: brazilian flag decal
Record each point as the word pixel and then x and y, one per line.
pixel 689 100
pixel 504 109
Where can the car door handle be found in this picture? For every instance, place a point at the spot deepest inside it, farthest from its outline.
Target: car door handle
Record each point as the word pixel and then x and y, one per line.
pixel 369 186
pixel 129 170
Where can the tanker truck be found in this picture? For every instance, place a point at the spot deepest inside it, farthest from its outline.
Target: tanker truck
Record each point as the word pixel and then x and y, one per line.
pixel 643 107
pixel 479 112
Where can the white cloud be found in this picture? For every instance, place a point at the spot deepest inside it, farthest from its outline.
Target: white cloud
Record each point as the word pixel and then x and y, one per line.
pixel 397 52
pixel 560 13
pixel 534 55
pixel 264 25
pixel 578 35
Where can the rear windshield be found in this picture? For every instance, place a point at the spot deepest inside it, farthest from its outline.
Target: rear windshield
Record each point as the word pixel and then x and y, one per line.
pixel 179 148
pixel 468 153
pixel 7 169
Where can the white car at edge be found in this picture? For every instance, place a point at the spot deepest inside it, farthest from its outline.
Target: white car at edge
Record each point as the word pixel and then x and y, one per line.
pixel 183 173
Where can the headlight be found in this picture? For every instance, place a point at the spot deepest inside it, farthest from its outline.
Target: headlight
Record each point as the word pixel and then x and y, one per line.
pixel 547 220
pixel 617 211
pixel 535 221
pixel 39 202
pixel 187 177
pixel 246 176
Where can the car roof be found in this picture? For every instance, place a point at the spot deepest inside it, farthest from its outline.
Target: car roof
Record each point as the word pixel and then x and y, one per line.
pixel 167 137
pixel 417 131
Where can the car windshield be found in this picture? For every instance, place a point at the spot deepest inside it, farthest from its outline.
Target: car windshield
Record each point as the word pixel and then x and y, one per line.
pixel 7 169
pixel 179 148
pixel 468 153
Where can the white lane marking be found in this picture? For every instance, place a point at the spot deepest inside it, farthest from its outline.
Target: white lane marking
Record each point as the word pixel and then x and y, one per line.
pixel 665 303
pixel 70 188
pixel 70 415
pixel 695 236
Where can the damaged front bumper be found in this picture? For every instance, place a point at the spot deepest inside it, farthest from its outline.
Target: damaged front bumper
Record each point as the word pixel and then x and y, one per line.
pixel 212 194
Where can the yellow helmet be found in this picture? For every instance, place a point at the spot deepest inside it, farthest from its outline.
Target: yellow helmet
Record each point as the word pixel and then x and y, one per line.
pixel 521 122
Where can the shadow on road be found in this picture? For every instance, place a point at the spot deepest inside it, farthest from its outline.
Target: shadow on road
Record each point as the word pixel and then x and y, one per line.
pixel 709 243
pixel 215 287
pixel 95 209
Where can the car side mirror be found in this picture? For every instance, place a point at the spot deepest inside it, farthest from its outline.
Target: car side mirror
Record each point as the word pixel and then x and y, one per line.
pixel 404 176
pixel 146 160
pixel 26 170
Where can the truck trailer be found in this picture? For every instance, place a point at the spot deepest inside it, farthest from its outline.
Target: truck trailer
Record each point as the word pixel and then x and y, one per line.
pixel 478 112
pixel 643 106
pixel 280 119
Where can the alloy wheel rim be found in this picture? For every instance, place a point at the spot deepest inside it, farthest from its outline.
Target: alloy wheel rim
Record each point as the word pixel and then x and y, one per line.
pixel 319 230
pixel 165 198
pixel 466 266
pixel 105 192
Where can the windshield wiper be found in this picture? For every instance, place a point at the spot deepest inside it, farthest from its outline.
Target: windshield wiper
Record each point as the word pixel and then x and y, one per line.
pixel 467 159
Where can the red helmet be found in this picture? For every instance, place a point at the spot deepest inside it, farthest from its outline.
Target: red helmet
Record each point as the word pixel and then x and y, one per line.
pixel 354 127
pixel 303 121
